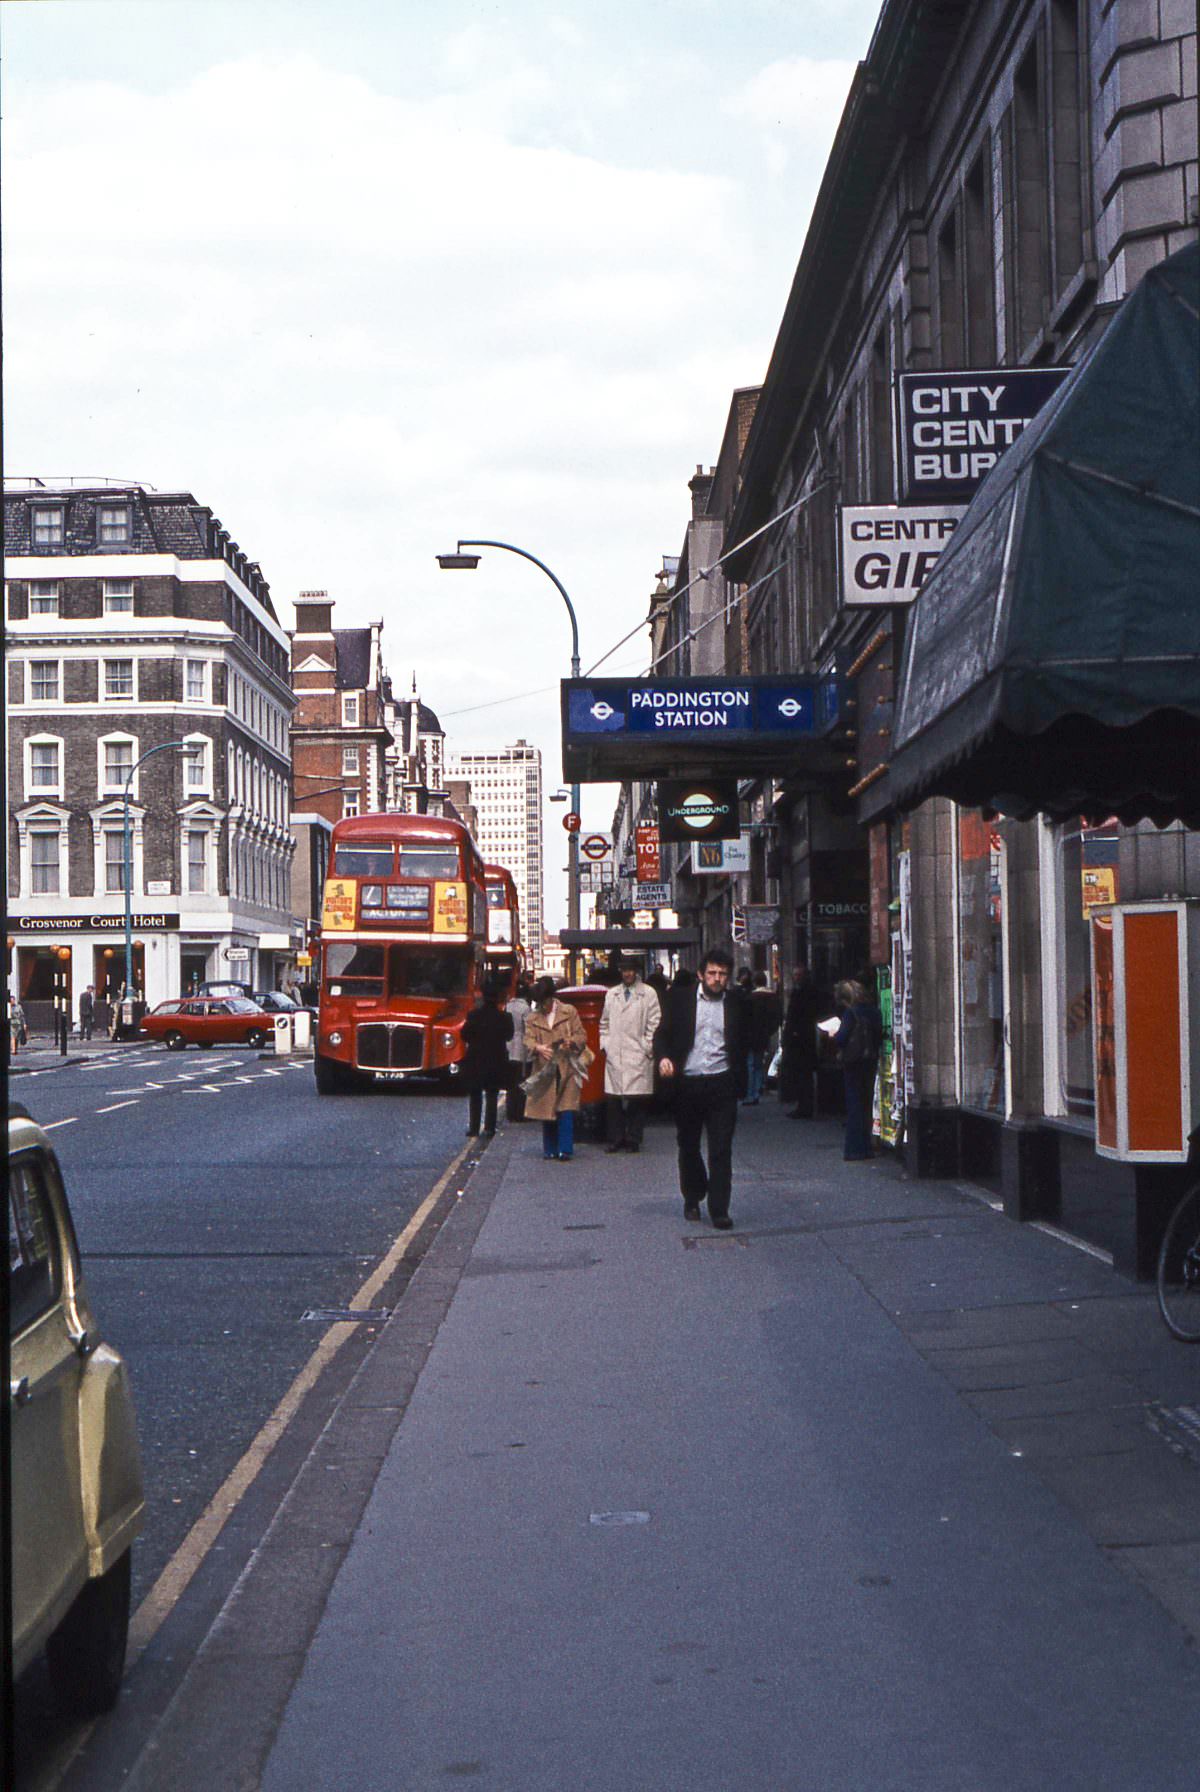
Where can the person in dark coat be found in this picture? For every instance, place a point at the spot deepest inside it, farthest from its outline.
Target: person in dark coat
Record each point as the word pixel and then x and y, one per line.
pixel 857 1043
pixel 701 1049
pixel 486 1033
pixel 801 1049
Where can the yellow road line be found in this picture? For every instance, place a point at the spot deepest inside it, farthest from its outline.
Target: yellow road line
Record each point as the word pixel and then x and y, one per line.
pixel 160 1601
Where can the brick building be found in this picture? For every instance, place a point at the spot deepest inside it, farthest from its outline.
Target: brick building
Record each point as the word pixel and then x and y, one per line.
pixel 134 621
pixel 339 736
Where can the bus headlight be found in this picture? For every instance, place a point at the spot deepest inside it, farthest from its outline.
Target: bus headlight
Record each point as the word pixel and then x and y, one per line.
pixel 335 1039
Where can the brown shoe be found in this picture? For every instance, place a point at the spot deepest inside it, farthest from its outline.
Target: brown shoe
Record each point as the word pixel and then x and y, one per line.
pixel 692 1214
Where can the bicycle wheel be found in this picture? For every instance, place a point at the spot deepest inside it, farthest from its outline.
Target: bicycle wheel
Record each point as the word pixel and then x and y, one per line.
pixel 1179 1269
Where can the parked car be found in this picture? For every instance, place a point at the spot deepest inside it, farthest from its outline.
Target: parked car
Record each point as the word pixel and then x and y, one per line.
pixel 226 988
pixel 277 1001
pixel 207 1021
pixel 76 1476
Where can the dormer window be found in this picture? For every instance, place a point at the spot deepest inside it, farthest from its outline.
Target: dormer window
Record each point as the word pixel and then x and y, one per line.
pixel 48 530
pixel 113 525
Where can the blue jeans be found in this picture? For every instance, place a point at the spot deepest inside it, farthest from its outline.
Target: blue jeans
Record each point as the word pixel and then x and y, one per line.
pixel 558 1136
pixel 756 1075
pixel 860 1097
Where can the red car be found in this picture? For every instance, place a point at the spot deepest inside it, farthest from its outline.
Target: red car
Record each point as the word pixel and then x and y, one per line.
pixel 208 1020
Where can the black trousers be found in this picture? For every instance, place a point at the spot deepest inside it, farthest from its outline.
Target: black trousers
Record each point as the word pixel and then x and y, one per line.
pixel 475 1103
pixel 706 1106
pixel 625 1118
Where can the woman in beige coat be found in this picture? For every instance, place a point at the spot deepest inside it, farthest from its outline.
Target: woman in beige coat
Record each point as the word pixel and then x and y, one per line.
pixel 554 1037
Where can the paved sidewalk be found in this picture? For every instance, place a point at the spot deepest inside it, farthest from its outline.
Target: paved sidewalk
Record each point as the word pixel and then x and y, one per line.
pixel 879 1491
pixel 42 1054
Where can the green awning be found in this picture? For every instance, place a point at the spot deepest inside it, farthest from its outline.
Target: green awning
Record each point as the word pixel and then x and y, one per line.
pixel 1053 655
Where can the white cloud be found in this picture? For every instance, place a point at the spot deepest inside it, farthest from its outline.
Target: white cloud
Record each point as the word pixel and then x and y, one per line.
pixel 795 105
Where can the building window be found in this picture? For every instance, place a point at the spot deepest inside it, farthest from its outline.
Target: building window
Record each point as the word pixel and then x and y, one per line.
pixel 349 762
pixel 195 763
pixel 118 597
pixel 43 681
pixel 45 765
pixel 43 597
pixel 113 525
pixel 197 862
pixel 47 526
pixel 349 802
pixel 44 861
pixel 117 764
pixel 114 861
pixel 350 712
pixel 118 679
pixel 196 684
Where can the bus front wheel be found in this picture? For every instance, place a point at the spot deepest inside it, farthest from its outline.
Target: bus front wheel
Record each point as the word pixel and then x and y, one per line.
pixel 332 1078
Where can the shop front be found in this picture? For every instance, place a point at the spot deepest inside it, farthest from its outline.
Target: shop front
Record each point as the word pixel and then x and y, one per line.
pixel 1050 687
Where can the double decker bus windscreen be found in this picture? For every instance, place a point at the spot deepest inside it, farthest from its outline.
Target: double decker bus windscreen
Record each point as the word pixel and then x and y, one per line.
pixel 358 967
pixel 429 971
pixel 364 861
pixel 430 861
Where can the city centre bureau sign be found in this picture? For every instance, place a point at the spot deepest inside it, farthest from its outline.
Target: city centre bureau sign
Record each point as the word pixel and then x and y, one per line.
pixel 672 727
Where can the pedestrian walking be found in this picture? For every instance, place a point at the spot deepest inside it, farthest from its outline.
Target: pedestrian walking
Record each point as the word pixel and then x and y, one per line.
pixel 857 1043
pixel 629 1020
pixel 518 1007
pixel 558 1046
pixel 702 1046
pixel 486 1033
pixel 766 1013
pixel 18 1032
pixel 87 1012
pixel 801 1045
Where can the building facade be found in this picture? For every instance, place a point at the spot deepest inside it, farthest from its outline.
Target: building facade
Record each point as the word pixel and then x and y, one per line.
pixel 1002 178
pixel 339 736
pixel 136 623
pixel 415 764
pixel 506 793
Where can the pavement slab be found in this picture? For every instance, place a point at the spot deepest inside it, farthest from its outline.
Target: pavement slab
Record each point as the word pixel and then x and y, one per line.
pixel 661 1509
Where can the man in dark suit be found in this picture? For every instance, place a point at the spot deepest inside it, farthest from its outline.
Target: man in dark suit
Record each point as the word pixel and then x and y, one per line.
pixel 701 1051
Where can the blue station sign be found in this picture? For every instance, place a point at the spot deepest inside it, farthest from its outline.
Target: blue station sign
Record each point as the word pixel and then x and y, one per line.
pixel 702 706
pixel 663 727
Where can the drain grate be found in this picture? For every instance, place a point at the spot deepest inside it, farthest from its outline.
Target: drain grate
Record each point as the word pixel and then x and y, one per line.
pixel 347 1315
pixel 1178 1426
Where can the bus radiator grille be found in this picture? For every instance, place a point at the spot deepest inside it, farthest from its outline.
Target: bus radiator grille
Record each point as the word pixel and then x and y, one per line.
pixel 391 1045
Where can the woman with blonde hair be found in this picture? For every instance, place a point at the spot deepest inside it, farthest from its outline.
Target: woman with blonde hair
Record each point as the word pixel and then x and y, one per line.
pixel 557 1044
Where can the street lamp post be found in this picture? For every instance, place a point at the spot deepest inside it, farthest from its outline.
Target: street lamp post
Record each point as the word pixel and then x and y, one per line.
pixel 178 746
pixel 459 561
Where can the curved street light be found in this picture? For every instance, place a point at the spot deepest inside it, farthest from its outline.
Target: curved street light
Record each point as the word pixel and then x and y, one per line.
pixel 459 561
pixel 178 746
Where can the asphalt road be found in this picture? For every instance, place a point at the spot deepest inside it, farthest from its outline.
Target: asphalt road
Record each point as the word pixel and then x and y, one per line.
pixel 218 1200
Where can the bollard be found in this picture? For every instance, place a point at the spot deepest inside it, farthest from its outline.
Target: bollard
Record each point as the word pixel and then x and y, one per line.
pixel 283 1035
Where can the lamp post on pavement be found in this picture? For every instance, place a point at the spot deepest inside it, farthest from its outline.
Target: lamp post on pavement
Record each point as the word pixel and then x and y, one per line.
pixel 168 746
pixel 459 561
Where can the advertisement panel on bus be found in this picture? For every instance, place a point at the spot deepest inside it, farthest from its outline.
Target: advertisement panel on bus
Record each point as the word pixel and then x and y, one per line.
pixel 403 933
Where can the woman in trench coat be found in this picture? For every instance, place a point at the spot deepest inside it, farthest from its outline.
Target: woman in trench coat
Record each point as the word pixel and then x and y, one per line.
pixel 554 1035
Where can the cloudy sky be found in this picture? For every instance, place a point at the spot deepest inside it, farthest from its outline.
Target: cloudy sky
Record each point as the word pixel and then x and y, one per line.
pixel 370 275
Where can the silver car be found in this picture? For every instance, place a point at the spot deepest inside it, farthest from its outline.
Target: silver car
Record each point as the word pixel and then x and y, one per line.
pixel 76 1472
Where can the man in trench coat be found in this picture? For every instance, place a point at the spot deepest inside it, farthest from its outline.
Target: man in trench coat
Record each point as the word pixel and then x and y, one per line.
pixel 628 1022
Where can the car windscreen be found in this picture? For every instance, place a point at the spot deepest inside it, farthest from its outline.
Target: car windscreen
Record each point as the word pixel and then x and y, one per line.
pixel 429 971
pixel 240 1005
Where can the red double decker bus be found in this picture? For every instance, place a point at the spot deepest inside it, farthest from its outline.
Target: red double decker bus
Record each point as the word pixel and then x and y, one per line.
pixel 403 931
pixel 505 959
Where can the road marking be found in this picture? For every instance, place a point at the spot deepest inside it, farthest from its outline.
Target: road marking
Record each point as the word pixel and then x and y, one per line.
pixel 136 1091
pixel 115 1106
pixel 49 1125
pixel 175 1578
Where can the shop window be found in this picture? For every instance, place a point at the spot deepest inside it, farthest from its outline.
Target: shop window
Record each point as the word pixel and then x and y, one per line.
pixel 1086 875
pixel 980 869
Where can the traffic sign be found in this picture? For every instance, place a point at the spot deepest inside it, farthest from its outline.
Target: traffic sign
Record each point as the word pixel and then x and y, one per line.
pixel 237 954
pixel 572 823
